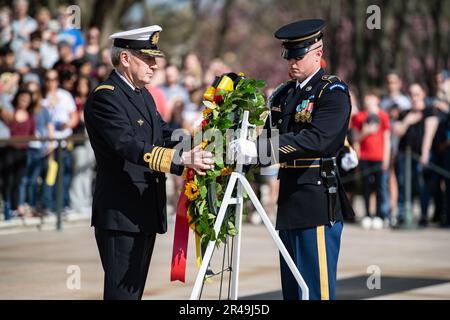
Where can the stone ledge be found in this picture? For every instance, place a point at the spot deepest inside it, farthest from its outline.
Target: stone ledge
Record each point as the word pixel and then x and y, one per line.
pixel 46 223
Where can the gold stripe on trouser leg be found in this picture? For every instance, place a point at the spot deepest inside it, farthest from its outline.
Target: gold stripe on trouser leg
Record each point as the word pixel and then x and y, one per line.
pixel 323 269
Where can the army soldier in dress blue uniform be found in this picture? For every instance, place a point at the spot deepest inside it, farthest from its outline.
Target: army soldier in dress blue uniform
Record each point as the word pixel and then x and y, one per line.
pixel 312 113
pixel 133 150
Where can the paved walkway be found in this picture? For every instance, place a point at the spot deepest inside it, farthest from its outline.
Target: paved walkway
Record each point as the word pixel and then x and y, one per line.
pixel 413 265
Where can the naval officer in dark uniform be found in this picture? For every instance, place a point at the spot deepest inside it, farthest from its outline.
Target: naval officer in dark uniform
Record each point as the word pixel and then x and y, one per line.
pixel 311 113
pixel 133 150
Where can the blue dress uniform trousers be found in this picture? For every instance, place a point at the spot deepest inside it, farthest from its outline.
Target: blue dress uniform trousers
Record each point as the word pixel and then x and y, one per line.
pixel 315 252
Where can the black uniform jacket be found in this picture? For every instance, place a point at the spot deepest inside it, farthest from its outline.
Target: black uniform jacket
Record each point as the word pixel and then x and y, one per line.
pixel 303 198
pixel 123 126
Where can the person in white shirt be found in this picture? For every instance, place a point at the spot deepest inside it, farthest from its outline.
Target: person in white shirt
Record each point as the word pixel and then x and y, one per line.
pixel 395 97
pixel 61 106
pixel 22 26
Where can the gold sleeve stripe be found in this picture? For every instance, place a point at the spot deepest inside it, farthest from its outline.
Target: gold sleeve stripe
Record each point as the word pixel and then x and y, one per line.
pixel 290 148
pixel 286 149
pixel 156 158
pixel 166 161
pixel 149 157
pixel 152 157
pixel 160 159
pixel 105 86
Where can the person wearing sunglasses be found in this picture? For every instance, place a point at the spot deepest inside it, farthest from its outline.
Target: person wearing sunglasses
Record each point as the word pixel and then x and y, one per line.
pixel 311 113
pixel 133 151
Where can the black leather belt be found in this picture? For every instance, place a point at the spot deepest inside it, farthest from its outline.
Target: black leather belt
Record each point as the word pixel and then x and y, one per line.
pixel 328 172
pixel 302 163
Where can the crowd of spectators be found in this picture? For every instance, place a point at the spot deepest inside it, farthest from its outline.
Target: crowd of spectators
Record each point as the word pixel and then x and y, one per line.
pixel 47 70
pixel 384 131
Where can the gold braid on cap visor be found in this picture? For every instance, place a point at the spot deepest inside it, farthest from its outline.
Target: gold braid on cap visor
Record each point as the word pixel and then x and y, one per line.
pixel 155 53
pixel 304 38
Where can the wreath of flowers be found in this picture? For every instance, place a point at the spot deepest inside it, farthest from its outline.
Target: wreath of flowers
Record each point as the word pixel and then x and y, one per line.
pixel 224 111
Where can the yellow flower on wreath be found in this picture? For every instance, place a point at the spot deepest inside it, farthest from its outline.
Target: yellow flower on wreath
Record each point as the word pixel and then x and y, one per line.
pixel 226 171
pixel 206 112
pixel 191 190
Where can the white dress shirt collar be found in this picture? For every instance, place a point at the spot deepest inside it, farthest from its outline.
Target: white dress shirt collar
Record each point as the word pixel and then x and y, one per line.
pixel 125 80
pixel 305 82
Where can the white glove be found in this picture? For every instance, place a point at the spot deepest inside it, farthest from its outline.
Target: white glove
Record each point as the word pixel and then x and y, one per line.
pixel 244 151
pixel 349 161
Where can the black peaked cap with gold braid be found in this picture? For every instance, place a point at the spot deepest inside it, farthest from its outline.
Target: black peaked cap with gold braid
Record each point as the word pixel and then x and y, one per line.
pixel 298 37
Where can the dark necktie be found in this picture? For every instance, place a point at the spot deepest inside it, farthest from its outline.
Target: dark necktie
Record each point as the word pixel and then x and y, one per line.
pixel 140 97
pixel 298 90
pixel 291 100
pixel 142 101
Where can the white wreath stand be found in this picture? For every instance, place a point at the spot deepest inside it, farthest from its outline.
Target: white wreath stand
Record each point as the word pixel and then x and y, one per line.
pixel 238 178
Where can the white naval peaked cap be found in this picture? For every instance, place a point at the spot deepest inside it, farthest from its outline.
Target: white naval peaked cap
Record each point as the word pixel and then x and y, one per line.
pixel 136 34
pixel 144 40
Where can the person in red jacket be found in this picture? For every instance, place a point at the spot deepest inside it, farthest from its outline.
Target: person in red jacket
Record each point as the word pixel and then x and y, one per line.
pixel 371 129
